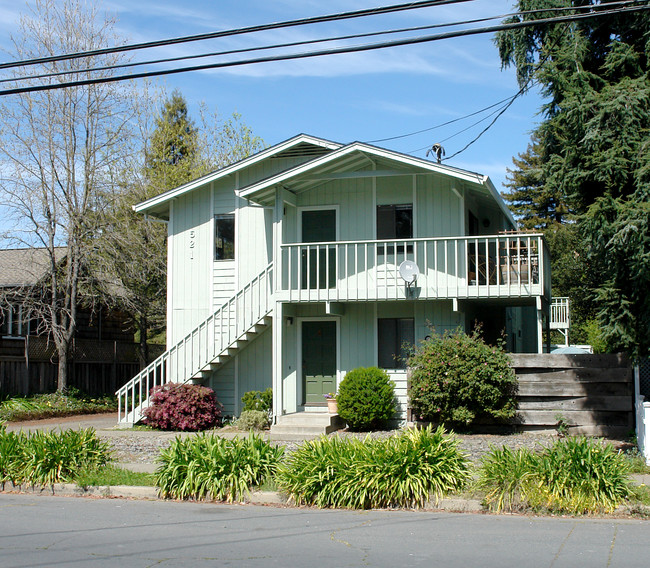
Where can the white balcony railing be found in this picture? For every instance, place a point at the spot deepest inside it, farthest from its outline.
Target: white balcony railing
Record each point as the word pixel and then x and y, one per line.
pixel 560 313
pixel 513 265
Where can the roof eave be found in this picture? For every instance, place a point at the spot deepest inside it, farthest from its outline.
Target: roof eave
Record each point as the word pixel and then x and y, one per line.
pixel 153 205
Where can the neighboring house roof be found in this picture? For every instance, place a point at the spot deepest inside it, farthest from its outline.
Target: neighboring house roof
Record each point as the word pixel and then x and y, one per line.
pixel 339 162
pixel 159 205
pixel 25 267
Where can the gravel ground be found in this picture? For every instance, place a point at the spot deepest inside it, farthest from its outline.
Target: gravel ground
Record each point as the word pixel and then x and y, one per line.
pixel 144 447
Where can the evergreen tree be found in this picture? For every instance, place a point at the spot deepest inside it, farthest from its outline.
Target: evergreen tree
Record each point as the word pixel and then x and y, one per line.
pixel 133 250
pixel 534 204
pixel 595 148
pixel 172 152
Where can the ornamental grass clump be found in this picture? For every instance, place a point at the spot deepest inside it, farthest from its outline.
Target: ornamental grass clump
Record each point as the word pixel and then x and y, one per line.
pixel 44 458
pixel 184 407
pixel 211 467
pixel 405 470
pixel 458 380
pixel 366 398
pixel 576 476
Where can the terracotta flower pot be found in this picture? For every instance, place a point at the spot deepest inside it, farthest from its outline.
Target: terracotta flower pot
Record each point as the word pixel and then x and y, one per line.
pixel 332 406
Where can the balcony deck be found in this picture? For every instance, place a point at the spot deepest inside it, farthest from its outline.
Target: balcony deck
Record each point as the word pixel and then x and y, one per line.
pixel 501 266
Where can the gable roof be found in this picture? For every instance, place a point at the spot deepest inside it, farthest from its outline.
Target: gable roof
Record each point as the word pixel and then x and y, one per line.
pixel 341 163
pixel 337 162
pixel 25 267
pixel 159 205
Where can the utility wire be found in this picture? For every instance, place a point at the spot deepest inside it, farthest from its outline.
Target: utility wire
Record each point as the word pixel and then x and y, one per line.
pixel 438 125
pixel 236 31
pixel 301 43
pixel 332 51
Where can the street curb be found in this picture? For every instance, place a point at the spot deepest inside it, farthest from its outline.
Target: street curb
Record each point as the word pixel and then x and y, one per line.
pixel 456 505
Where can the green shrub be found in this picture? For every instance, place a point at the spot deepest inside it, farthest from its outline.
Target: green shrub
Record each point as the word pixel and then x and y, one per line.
pixel 176 406
pixel 212 467
pixel 457 379
pixel 366 398
pixel 258 400
pixel 44 458
pixel 252 420
pixel 401 471
pixel 575 475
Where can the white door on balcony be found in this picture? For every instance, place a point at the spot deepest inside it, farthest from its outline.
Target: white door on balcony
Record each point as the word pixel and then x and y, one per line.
pixel 318 262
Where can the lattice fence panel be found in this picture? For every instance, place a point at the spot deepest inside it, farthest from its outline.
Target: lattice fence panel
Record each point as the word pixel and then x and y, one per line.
pixel 644 377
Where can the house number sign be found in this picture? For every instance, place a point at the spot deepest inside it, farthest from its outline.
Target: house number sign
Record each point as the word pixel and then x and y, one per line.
pixel 192 243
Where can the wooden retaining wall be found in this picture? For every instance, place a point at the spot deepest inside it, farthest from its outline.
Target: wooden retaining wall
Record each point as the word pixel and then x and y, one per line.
pixel 592 393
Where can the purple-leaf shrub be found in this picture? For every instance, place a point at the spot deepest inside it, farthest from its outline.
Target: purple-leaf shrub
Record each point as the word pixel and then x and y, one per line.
pixel 184 407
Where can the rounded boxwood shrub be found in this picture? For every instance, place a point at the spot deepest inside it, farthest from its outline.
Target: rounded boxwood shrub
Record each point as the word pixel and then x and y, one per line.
pixel 176 406
pixel 457 379
pixel 366 398
pixel 252 420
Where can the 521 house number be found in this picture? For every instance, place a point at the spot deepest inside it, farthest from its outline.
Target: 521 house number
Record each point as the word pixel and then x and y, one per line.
pixel 192 243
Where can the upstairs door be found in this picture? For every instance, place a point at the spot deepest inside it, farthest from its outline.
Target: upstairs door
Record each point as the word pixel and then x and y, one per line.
pixel 318 360
pixel 318 262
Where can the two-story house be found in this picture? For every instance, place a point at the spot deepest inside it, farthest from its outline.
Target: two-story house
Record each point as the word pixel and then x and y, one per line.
pixel 310 258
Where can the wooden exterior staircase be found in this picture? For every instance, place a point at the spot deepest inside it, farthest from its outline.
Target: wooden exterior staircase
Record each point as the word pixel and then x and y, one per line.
pixel 204 349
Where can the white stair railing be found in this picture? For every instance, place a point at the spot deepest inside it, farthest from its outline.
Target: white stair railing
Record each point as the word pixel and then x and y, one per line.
pixel 200 349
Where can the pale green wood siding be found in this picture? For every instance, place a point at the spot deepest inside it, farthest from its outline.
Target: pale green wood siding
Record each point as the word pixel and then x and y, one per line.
pixel 268 168
pixel 224 283
pixel 254 367
pixel 254 241
pixel 439 209
pixel 222 382
pixel 190 246
pixel 354 199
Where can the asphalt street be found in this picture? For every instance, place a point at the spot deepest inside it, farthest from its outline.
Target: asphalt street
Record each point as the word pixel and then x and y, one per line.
pixel 41 531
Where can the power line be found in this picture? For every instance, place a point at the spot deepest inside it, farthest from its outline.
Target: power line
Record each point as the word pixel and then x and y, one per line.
pixel 332 51
pixel 300 43
pixel 438 125
pixel 236 31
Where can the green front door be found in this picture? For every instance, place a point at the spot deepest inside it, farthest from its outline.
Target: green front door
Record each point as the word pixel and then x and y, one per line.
pixel 318 360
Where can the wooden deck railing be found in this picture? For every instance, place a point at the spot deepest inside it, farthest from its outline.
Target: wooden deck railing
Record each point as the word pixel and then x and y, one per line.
pixel 513 265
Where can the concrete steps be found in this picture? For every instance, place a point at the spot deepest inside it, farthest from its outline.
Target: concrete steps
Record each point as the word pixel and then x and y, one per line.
pixel 305 426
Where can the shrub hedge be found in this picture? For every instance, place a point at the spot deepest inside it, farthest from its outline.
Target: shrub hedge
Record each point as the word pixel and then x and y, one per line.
pixel 457 379
pixel 366 398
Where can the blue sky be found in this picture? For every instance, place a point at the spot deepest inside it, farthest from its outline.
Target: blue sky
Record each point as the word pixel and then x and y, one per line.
pixel 362 96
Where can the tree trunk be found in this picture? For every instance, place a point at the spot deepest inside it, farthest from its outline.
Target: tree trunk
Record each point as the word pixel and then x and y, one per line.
pixel 62 382
pixel 144 347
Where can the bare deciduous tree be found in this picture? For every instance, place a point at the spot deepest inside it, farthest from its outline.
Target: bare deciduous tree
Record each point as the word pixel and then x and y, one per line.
pixel 56 149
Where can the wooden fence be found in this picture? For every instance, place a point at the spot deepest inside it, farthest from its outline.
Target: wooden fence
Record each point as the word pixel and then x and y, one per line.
pixel 29 366
pixel 593 394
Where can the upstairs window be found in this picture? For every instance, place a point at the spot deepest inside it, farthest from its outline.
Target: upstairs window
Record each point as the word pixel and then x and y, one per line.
pixel 224 237
pixel 11 322
pixel 394 222
pixel 395 336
